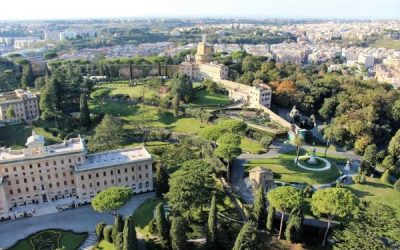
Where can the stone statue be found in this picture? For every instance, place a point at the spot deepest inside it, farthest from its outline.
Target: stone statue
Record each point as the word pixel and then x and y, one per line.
pixel 347 167
pixel 313 159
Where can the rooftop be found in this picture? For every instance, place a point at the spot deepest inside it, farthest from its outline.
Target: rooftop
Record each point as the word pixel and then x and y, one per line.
pixel 113 158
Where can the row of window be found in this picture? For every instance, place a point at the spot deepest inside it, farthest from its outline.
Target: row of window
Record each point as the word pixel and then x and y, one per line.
pixel 42 187
pixel 39 165
pixel 89 176
pixel 25 180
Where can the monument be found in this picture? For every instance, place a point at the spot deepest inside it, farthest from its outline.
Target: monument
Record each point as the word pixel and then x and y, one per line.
pixel 347 167
pixel 312 159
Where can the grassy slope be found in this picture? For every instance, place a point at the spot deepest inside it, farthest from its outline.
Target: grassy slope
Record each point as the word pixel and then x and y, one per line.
pixel 285 170
pixel 202 97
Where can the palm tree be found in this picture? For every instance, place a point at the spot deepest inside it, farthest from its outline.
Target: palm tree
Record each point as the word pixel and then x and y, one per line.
pixel 298 142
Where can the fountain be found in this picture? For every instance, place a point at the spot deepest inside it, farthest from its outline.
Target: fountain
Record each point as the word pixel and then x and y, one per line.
pixel 313 159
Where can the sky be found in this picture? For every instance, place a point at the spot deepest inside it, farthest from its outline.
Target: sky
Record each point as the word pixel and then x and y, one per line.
pixel 66 9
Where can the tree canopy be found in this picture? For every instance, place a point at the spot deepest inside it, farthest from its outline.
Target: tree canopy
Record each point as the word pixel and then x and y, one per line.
pixel 111 199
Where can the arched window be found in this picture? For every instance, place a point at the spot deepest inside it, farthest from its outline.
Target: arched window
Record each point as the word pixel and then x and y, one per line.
pixel 147 184
pixel 140 185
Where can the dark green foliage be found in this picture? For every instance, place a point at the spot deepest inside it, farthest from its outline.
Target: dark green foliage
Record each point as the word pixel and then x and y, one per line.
pixel 293 227
pixel 385 178
pixel 100 230
pixel 107 232
pixel 212 223
pixel 84 115
pixel 27 79
pixel 108 134
pixel 246 239
pixel 377 227
pixel 48 100
pixel 270 218
pixel 370 154
pixel 162 226
pixel 397 185
pixel 394 145
pixel 191 187
pixel 178 234
pixel 259 209
pixel 129 234
pixel 118 226
pixel 161 181
pixel 111 199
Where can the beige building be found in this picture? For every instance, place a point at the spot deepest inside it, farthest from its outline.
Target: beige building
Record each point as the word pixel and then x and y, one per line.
pixel 24 103
pixel 40 174
pixel 262 176
pixel 202 68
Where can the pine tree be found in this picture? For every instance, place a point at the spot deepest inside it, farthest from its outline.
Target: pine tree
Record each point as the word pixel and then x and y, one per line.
pixel 212 232
pixel 129 234
pixel 270 218
pixel 178 234
pixel 162 226
pixel 84 115
pixel 259 209
pixel 246 238
pixel 161 181
pixel 27 76
pixel 118 226
pixel 48 100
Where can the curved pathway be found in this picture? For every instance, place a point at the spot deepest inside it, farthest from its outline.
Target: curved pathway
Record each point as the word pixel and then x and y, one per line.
pixel 81 219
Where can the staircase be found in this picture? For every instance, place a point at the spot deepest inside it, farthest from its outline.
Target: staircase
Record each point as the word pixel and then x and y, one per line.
pixel 90 241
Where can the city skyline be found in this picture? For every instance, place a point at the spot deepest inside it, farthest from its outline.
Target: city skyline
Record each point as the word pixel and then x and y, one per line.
pixel 323 9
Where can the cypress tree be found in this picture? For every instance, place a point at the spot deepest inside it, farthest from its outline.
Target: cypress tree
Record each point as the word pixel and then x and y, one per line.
pixel 246 238
pixel 270 218
pixel 212 232
pixel 107 232
pixel 84 115
pixel 385 178
pixel 293 227
pixel 161 182
pixel 118 226
pixel 178 234
pixel 119 241
pixel 99 230
pixel 259 209
pixel 162 226
pixel 129 234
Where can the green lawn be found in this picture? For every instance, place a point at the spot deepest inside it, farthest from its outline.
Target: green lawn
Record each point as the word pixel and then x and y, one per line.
pixel 69 240
pixel 386 43
pixel 204 98
pixel 144 214
pixel 284 169
pixel 251 146
pixel 105 245
pixel 375 191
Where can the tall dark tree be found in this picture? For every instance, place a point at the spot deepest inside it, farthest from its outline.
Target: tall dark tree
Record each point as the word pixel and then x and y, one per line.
pixel 27 79
pixel 293 227
pixel 119 241
pixel 129 234
pixel 178 234
pixel 108 134
pixel 175 105
pixel 162 226
pixel 48 100
pixel 246 239
pixel 370 154
pixel 118 226
pixel 161 182
pixel 259 209
pixel 212 230
pixel 99 230
pixel 270 218
pixel 84 114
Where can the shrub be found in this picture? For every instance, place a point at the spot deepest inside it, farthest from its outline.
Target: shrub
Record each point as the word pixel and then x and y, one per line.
pixel 99 230
pixel 308 191
pixel 266 141
pixel 107 233
pixel 397 185
pixel 359 178
pixel 257 135
pixel 385 177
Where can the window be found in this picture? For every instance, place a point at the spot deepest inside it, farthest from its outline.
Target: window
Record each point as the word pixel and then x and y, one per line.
pixel 111 172
pixel 14 168
pixel 25 180
pixel 50 185
pixel 63 174
pixel 133 169
pixel 6 170
pixel 97 175
pixel 133 178
pixel 145 166
pixel 72 182
pixel 140 176
pixel 89 176
pixel 112 181
pixel 17 182
pixel 119 179
pixel 27 189
pixel 33 179
pixel 79 158
pixel 11 192
pixel 65 183
pixel 126 170
pixel 58 184
pixel 46 163
pixel 34 188
pixel 23 167
pixel 69 160
pixel 19 190
pixel 147 184
pixel 54 163
pixel 105 182
pixel 83 186
pixel 82 178
pixel 104 174
pixel 98 184
pixel 119 171
pixel 62 161
pixel 56 175
pixel 90 185
pixel 49 177
pixel 126 178
pixel 41 178
pixel 140 185
pixel 38 165
pixel 147 175
pixel 140 168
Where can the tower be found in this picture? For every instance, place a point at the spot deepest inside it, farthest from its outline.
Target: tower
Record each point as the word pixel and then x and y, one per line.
pixel 204 51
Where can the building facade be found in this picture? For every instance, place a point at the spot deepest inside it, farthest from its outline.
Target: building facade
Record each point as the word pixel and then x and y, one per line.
pixel 39 174
pixel 24 103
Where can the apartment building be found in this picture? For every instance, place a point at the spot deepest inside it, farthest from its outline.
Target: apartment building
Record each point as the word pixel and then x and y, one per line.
pixel 40 173
pixel 24 103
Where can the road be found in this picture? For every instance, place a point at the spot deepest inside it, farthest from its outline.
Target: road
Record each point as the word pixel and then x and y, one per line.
pixel 82 219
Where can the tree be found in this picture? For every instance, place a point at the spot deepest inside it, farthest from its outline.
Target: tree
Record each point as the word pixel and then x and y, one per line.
pixel 388 163
pixel 233 126
pixel 162 226
pixel 48 100
pixel 298 142
pixel 118 226
pixel 178 234
pixel 107 232
pixel 259 208
pixel 108 134
pixel 213 133
pixel 397 185
pixel 246 239
pixel 191 187
pixel 332 203
pixel 293 227
pixel 119 241
pixel 228 152
pixel 376 227
pixel 270 218
pixel 370 154
pixel 175 105
pixel 394 145
pixel 385 178
pixel 99 230
pixel 27 76
pixel 285 199
pixel 111 199
pixel 10 112
pixel 161 181
pixel 129 234
pixel 84 115
pixel 212 229
pixel 229 138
